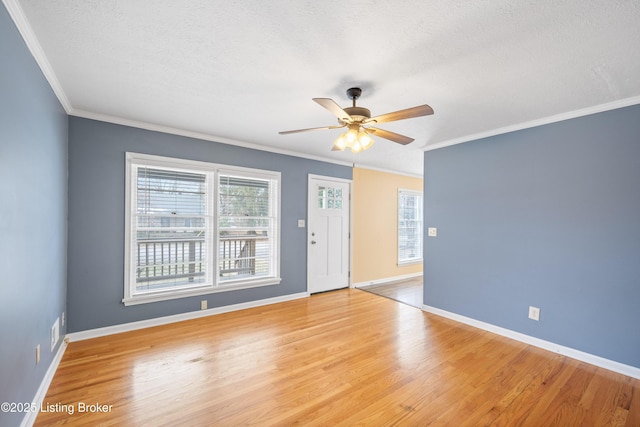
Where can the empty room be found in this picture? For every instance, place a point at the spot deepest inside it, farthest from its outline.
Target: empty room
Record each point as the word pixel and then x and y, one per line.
pixel 319 213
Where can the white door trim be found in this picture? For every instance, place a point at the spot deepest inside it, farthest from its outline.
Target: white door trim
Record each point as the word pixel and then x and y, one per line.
pixel 349 182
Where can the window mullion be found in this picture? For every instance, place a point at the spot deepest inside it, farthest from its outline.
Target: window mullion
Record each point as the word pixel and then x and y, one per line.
pixel 132 228
pixel 215 228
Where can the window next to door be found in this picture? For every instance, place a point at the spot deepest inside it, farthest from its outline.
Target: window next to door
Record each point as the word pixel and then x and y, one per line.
pixel 409 226
pixel 194 228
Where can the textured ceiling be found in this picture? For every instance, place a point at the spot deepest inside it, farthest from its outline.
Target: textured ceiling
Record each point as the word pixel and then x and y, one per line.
pixel 244 70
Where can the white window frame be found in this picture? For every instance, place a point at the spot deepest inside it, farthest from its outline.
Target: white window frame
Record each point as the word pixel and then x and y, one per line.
pixel 211 283
pixel 418 194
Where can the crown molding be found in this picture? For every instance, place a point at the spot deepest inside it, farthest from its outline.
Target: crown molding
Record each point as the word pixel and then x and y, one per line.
pixel 223 140
pixel 197 135
pixel 30 39
pixel 394 172
pixel 539 122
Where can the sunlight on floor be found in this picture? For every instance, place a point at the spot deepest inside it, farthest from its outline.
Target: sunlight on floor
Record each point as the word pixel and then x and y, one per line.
pixel 406 291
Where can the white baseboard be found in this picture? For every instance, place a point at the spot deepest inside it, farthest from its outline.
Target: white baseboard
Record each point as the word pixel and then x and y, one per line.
pixel 386 280
pixel 30 416
pixel 621 368
pixel 126 327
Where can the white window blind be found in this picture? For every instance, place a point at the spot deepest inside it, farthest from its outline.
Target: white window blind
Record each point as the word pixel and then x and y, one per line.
pixel 409 226
pixel 171 229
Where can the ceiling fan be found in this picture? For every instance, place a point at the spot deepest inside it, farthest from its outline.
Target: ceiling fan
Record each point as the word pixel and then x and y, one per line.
pixel 359 122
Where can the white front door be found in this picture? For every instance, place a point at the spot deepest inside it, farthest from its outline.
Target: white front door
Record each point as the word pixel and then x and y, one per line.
pixel 328 234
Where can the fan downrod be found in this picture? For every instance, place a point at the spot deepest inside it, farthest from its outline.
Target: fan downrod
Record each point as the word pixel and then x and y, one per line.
pixel 358 114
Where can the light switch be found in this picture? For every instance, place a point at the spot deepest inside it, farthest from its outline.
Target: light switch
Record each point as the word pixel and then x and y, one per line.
pixel 301 223
pixel 534 313
pixel 432 232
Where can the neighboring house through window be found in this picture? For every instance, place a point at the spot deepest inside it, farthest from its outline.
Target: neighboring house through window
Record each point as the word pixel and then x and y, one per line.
pixel 194 228
pixel 409 226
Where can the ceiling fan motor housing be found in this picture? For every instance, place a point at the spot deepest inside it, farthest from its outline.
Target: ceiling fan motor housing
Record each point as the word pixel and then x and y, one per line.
pixel 358 114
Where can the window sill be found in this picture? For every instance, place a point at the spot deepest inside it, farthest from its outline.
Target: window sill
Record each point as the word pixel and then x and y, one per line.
pixel 176 294
pixel 410 261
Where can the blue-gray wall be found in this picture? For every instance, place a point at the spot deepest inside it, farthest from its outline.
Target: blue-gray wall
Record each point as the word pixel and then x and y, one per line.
pixel 96 219
pixel 549 217
pixel 33 207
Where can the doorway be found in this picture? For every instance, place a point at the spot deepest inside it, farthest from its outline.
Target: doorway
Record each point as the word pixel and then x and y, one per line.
pixel 328 231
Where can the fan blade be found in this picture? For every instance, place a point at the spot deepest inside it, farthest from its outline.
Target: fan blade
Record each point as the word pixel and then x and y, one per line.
pixel 421 110
pixel 286 132
pixel 391 136
pixel 334 108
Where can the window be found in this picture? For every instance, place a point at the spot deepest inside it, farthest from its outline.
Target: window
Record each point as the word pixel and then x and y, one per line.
pixel 180 211
pixel 246 225
pixel 172 223
pixel 409 227
pixel 329 198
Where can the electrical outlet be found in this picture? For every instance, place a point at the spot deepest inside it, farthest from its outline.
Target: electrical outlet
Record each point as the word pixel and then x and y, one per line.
pixel 534 313
pixel 38 354
pixel 432 232
pixel 55 333
pixel 203 304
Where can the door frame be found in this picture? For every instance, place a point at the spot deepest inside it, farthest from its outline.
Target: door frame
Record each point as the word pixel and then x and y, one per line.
pixel 311 200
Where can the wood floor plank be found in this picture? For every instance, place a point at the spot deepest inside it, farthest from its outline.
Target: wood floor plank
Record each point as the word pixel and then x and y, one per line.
pixel 633 408
pixel 340 358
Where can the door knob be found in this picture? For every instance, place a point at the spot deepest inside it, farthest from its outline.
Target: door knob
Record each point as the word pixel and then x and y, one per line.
pixel 313 242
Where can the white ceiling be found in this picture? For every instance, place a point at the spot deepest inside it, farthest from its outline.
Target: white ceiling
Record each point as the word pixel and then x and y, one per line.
pixel 244 70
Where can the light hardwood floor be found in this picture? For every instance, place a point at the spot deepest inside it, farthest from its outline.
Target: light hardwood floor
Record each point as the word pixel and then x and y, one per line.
pixel 339 358
pixel 408 291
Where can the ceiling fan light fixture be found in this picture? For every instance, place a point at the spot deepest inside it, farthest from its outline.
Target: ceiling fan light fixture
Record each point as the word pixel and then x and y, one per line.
pixel 352 134
pixel 340 143
pixel 365 140
pixel 355 139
